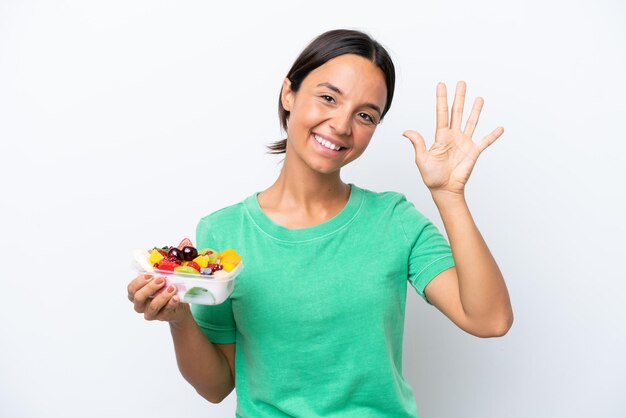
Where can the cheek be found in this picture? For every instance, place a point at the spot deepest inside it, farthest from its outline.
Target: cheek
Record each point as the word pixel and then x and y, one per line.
pixel 307 114
pixel 363 136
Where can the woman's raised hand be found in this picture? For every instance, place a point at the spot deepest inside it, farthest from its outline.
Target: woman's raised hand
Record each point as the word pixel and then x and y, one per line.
pixel 150 298
pixel 447 165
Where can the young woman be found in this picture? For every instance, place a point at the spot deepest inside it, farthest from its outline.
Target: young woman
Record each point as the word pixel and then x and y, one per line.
pixel 314 327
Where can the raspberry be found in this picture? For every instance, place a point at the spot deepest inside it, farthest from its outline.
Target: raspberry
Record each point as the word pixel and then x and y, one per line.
pixel 215 267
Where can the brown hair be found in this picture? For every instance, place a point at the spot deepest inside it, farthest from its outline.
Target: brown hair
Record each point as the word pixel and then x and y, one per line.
pixel 322 49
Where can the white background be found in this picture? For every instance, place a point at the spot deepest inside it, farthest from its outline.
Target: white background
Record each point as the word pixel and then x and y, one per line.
pixel 123 122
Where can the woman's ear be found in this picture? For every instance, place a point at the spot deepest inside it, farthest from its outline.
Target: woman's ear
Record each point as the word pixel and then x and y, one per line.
pixel 287 95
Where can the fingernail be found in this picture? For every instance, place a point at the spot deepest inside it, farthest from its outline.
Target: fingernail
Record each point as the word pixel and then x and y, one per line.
pixel 171 289
pixel 159 280
pixel 147 277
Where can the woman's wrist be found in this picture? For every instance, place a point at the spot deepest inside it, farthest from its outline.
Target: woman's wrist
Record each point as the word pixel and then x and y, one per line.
pixel 446 198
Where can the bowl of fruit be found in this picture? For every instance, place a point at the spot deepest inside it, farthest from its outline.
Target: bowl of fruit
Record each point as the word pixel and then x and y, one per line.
pixel 203 277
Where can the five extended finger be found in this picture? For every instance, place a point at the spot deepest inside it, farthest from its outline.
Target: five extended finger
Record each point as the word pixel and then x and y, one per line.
pixel 442 106
pixel 457 105
pixel 472 121
pixel 490 139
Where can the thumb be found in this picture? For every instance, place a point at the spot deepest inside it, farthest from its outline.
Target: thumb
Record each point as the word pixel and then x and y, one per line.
pixel 418 143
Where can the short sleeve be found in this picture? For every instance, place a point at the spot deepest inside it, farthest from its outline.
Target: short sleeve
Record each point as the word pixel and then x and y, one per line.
pixel 215 321
pixel 430 253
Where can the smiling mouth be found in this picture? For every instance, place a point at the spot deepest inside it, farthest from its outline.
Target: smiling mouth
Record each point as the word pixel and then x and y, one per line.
pixel 327 144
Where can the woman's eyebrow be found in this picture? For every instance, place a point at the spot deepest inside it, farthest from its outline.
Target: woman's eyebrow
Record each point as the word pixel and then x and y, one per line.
pixel 338 91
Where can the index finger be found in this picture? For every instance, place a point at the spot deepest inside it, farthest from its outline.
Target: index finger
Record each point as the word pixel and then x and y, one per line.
pixel 442 106
pixel 136 284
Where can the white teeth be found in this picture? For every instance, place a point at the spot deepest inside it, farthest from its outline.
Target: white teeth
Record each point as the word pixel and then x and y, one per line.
pixel 326 143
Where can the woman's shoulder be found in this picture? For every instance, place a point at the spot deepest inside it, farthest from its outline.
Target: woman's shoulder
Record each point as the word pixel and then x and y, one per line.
pixel 393 204
pixel 384 198
pixel 227 214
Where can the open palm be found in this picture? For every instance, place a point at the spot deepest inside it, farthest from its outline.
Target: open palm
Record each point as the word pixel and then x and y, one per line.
pixel 447 165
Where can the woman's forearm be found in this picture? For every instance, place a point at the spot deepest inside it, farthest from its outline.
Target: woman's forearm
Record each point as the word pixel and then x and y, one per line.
pixel 200 362
pixel 482 289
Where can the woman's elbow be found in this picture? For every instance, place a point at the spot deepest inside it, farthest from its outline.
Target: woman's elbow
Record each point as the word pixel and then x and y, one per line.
pixel 497 327
pixel 214 397
pixel 501 327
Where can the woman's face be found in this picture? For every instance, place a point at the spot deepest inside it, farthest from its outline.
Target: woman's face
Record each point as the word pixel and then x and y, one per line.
pixel 334 114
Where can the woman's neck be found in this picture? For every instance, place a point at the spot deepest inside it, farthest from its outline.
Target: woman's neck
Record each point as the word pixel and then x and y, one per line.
pixel 302 197
pixel 306 192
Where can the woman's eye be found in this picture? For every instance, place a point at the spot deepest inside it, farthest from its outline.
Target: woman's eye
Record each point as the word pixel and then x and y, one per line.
pixel 327 98
pixel 367 118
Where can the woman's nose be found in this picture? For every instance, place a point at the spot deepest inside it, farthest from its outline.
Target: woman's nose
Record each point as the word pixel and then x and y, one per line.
pixel 342 122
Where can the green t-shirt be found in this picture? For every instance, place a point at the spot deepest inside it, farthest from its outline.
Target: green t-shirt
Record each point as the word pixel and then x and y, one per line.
pixel 317 314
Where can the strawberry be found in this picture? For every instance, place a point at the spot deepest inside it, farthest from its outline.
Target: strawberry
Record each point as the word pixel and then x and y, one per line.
pixel 168 264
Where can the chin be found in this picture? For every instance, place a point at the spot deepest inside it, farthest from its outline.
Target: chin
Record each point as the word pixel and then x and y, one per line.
pixel 326 170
